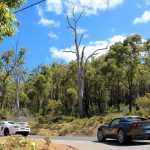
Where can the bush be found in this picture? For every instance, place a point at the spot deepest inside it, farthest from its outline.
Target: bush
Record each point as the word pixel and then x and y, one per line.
pixel 109 117
pixel 144 102
pixel 54 106
pixel 55 119
pixel 18 143
pixel 68 118
pixel 4 113
pixel 34 131
pixel 41 120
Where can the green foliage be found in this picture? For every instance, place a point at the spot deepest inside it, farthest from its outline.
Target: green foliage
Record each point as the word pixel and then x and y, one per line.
pixel 16 143
pixel 111 116
pixel 54 106
pixel 144 102
pixel 112 82
pixel 41 119
pixel 4 113
pixel 8 21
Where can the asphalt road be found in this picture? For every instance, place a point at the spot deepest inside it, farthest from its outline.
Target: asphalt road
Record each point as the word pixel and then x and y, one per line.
pixel 90 143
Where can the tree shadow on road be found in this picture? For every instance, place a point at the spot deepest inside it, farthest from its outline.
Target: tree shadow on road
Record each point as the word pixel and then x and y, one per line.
pixel 115 143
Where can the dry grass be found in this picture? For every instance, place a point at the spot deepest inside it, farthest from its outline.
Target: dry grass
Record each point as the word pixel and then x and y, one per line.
pixel 19 143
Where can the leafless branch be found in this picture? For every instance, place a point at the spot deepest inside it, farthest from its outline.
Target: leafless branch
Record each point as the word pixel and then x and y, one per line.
pixel 82 55
pixel 95 53
pixel 81 37
pixel 69 52
pixel 70 25
pixel 73 15
pixel 82 12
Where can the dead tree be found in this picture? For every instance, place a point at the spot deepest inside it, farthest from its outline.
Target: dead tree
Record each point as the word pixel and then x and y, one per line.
pixel 80 55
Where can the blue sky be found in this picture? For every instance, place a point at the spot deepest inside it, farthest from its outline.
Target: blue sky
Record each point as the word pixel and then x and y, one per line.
pixel 43 29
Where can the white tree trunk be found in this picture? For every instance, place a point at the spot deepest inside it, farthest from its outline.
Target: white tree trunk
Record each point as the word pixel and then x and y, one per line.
pixel 17 95
pixel 80 91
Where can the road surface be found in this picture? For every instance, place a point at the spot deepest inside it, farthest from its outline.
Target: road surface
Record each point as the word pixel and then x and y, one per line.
pixel 90 143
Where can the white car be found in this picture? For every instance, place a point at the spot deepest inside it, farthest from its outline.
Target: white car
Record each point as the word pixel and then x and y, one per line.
pixel 12 127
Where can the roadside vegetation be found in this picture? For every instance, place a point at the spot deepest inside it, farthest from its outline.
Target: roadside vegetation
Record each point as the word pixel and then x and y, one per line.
pixel 21 143
pixel 61 125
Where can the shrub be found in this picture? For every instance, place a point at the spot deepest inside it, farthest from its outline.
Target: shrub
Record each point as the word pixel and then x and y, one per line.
pixel 144 102
pixel 34 131
pixel 4 113
pixel 18 143
pixel 55 119
pixel 109 117
pixel 54 106
pixel 41 119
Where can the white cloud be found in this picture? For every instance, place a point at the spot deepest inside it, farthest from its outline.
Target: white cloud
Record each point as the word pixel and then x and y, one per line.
pixel 80 30
pixel 143 19
pixel 47 22
pixel 67 57
pixel 40 11
pixel 54 6
pixel 90 6
pixel 53 35
pixel 56 53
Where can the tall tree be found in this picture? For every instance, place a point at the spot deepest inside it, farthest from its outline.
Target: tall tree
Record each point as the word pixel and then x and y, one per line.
pixel 18 70
pixel 6 68
pixel 8 21
pixel 79 51
pixel 147 52
pixel 115 69
pixel 133 46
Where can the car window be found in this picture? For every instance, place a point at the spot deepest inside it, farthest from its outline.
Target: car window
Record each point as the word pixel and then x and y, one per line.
pixel 114 122
pixel 123 120
pixel 11 122
pixel 1 123
pixel 136 119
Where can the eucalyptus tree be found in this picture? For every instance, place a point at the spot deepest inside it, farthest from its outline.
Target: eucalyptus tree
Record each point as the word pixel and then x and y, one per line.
pixel 35 87
pixel 6 69
pixel 133 46
pixel 147 52
pixel 18 72
pixel 115 69
pixel 96 88
pixel 8 21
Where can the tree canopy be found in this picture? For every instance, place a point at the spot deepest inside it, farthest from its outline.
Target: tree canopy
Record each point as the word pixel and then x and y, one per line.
pixel 8 20
pixel 116 78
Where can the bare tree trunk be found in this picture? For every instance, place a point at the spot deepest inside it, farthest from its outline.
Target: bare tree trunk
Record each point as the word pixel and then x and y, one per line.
pixel 17 95
pixel 80 92
pixel 3 96
pixel 118 95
